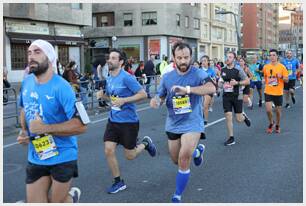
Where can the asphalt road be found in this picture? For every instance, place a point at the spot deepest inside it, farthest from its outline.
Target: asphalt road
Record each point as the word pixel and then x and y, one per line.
pixel 259 168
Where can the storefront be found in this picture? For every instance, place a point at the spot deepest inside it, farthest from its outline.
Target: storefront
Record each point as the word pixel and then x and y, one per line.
pixel 20 33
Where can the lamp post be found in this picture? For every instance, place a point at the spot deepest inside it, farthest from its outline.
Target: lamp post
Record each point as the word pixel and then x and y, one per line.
pixel 236 25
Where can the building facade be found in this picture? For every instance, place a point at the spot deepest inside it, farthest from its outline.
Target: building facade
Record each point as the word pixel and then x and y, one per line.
pixel 143 29
pixel 60 24
pixel 260 27
pixel 218 31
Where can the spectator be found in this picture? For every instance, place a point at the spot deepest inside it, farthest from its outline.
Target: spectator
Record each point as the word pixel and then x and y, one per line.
pixel 149 71
pixel 71 76
pixel 6 85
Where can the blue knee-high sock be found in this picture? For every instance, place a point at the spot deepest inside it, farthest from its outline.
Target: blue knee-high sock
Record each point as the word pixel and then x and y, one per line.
pixel 182 178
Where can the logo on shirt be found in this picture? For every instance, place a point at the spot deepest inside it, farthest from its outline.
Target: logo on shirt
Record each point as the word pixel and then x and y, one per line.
pixel 24 93
pixel 48 97
pixel 34 95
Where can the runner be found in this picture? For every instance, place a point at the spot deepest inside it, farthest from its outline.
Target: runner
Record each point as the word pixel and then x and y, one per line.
pixel 48 126
pixel 182 90
pixel 292 65
pixel 256 80
pixel 275 74
pixel 246 90
pixel 208 98
pixel 231 80
pixel 123 90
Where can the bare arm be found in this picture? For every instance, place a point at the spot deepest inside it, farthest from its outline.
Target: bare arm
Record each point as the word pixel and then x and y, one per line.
pixel 207 88
pixel 68 128
pixel 138 96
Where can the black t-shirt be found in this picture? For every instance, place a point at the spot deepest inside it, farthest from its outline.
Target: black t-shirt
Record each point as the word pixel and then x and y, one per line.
pixel 229 74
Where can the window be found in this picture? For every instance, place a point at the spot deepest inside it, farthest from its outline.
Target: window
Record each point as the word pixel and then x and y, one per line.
pixel 105 19
pixel 149 18
pixel 178 20
pixel 63 55
pixel 128 19
pixel 186 21
pixel 94 21
pixel 19 55
pixel 76 6
pixel 206 31
pixel 205 10
pixel 196 23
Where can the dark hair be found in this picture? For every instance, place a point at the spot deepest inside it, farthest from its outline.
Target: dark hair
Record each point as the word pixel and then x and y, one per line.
pixel 71 64
pixel 181 45
pixel 206 57
pixel 231 52
pixel 274 50
pixel 165 58
pixel 122 55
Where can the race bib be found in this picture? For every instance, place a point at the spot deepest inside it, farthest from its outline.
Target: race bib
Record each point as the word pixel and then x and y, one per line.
pixel 272 81
pixel 114 98
pixel 290 72
pixel 45 147
pixel 227 87
pixel 181 104
pixel 254 78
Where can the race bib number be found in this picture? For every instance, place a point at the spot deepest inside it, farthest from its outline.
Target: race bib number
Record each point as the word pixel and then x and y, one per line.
pixel 181 104
pixel 45 147
pixel 290 72
pixel 272 81
pixel 227 87
pixel 114 98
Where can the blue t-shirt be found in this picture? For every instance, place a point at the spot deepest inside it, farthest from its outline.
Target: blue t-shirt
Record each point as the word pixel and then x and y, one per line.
pixel 210 71
pixel 54 102
pixel 254 68
pixel 291 65
pixel 123 85
pixel 188 122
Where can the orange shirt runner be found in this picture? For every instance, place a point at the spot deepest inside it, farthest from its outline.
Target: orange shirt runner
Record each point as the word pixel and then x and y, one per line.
pixel 274 85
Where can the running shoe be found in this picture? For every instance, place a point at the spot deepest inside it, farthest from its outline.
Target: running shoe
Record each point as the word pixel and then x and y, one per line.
pixel 247 121
pixel 150 147
pixel 198 160
pixel 75 193
pixel 293 99
pixel 230 141
pixel 277 129
pixel 260 103
pixel 270 129
pixel 116 187
pixel 176 198
pixel 205 122
pixel 287 106
pixel 210 109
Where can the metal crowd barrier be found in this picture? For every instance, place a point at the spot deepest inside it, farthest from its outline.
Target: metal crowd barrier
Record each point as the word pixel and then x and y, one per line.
pixel 14 114
pixel 87 94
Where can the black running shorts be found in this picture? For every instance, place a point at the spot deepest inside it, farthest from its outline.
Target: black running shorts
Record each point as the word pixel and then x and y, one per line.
pixel 174 136
pixel 277 100
pixel 122 133
pixel 289 85
pixel 62 172
pixel 246 90
pixel 230 102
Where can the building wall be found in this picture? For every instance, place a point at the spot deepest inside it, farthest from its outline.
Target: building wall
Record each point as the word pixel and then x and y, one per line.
pixel 60 24
pixel 267 26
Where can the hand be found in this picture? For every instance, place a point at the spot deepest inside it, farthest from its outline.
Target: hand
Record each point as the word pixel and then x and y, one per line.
pixel 37 126
pixel 23 138
pixel 99 94
pixel 279 76
pixel 233 82
pixel 179 90
pixel 118 102
pixel 154 103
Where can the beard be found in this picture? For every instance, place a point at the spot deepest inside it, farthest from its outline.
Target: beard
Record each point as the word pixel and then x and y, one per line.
pixel 183 67
pixel 39 68
pixel 112 67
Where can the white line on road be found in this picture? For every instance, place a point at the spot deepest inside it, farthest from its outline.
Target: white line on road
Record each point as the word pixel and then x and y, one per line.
pixel 215 122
